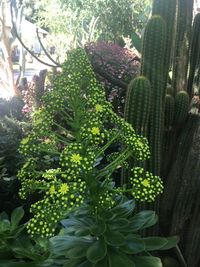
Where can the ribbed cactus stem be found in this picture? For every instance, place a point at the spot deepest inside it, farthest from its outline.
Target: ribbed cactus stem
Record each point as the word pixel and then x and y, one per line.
pixel 167 10
pixel 169 110
pixel 182 41
pixel 137 107
pixel 170 90
pixel 182 102
pixel 152 68
pixel 194 55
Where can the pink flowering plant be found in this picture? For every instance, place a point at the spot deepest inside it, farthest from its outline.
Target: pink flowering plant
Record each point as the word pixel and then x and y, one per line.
pixel 114 67
pixel 69 165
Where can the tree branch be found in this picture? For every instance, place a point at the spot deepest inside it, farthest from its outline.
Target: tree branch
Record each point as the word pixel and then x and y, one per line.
pixel 110 78
pixel 106 75
pixel 22 43
pixel 45 51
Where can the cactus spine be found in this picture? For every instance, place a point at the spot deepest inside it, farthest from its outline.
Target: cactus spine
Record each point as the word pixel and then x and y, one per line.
pixel 182 102
pixel 137 107
pixel 152 68
pixel 194 54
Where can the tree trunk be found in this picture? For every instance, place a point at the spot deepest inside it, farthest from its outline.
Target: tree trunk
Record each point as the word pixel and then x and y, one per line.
pixel 7 82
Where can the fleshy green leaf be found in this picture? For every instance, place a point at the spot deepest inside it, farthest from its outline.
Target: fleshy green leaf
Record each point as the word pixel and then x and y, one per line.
pixel 73 263
pixel 133 245
pixel 4 216
pixel 171 242
pixel 160 243
pixel 77 252
pixel 101 263
pixel 118 224
pixel 16 217
pixel 61 244
pixel 124 209
pixel 147 261
pixel 142 220
pixel 85 264
pixel 118 260
pixel 82 232
pixel 97 251
pixel 4 226
pixel 98 229
pixel 114 238
pixel 18 264
pixel 154 243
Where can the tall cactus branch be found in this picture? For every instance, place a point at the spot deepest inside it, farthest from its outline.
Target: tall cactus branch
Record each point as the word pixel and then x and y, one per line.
pixel 153 68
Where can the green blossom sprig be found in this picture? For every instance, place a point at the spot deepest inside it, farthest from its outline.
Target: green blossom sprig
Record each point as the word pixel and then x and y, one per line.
pixel 145 186
pixel 74 130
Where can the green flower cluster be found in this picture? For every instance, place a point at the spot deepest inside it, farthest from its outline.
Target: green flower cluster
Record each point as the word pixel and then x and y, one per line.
pixel 75 161
pixel 59 199
pixel 74 129
pixel 145 186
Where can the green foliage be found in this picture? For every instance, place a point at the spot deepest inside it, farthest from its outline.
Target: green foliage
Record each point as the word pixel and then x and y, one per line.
pixel 182 102
pixel 11 108
pixel 138 99
pixel 11 133
pixel 75 129
pixel 136 41
pixel 109 239
pixel 153 68
pixel 16 248
pixel 113 19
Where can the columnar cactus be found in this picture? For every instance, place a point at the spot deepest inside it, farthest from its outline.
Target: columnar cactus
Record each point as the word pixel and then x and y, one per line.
pixel 153 68
pixel 182 41
pixel 169 110
pixel 137 108
pixel 194 53
pixel 167 10
pixel 182 102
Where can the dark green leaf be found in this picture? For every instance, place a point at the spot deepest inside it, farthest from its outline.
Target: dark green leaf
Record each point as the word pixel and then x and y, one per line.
pixel 4 216
pixel 73 263
pixel 98 229
pixel 101 263
pixel 85 264
pixel 147 261
pixel 114 238
pixel 97 251
pixel 142 220
pixel 133 245
pixel 4 226
pixel 16 217
pixel 119 260
pixel 77 252
pixel 118 224
pixel 61 244
pixel 171 242
pixel 154 243
pixel 82 232
pixel 18 264
pixel 71 222
pixel 124 209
